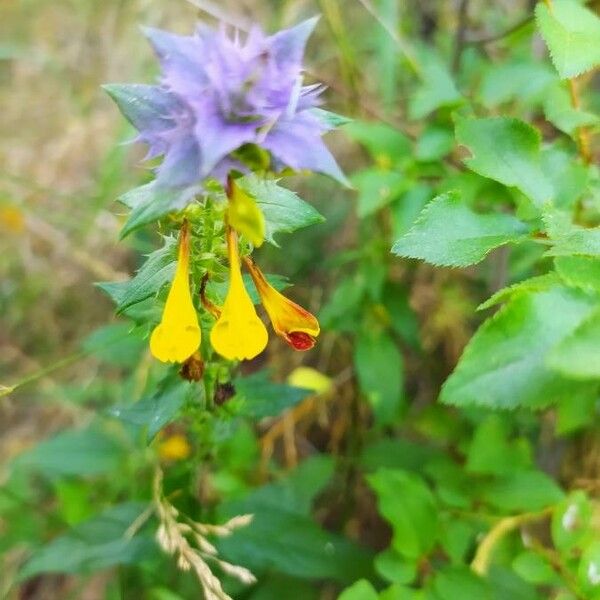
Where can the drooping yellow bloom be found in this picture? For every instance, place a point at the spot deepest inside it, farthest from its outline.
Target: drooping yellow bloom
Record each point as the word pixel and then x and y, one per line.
pixel 177 336
pixel 239 333
pixel 244 215
pixel 295 325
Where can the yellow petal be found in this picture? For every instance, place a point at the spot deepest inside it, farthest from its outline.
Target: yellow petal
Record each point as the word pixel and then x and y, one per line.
pixel 175 447
pixel 239 333
pixel 294 324
pixel 245 216
pixel 177 336
pixel 309 379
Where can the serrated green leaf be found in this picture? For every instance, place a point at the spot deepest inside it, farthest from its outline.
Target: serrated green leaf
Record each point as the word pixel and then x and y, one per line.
pixel 579 271
pixel 508 151
pixel 449 233
pixel 578 354
pixel 504 364
pixel 283 210
pixel 261 397
pixel 406 502
pixel 152 202
pixel 380 370
pixel 376 188
pixel 572 34
pixel 533 284
pixel 93 545
pixel 568 237
pixel 157 271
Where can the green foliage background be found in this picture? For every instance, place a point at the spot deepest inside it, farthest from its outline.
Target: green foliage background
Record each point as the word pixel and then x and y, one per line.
pixel 456 455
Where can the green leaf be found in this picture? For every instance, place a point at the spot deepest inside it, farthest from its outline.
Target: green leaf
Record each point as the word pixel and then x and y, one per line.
pixel 284 538
pixel 395 568
pixel 156 272
pixel 522 491
pixel 504 364
pixel 579 271
pixel 260 397
pixel 539 283
pixel 535 569
pixel 156 411
pixel 436 88
pixel 452 583
pixel 116 344
pixel 380 370
pixel 508 151
pixel 409 506
pixel 84 452
pixel 361 590
pixel 492 451
pixel 283 210
pixel 524 80
pixel 572 34
pixel 94 545
pixel 572 522
pixel 449 233
pixel 569 238
pixel 434 143
pixel 385 144
pixel 578 354
pixel 330 119
pixel 151 202
pixel 376 188
pixel 559 110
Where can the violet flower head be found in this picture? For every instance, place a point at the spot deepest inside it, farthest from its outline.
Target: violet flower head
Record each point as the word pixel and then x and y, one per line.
pixel 219 91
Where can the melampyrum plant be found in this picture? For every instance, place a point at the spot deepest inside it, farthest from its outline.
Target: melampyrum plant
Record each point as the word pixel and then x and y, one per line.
pixel 228 119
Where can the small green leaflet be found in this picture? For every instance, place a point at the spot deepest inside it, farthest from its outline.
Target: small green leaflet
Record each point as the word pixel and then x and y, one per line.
pixel 505 363
pixel 330 119
pixel 533 284
pixel 508 151
pixel 572 33
pixel 156 272
pixel 151 202
pixel 449 233
pixel 284 211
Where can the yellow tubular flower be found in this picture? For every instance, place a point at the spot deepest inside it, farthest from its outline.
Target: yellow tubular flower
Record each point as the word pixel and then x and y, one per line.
pixel 239 333
pixel 296 326
pixel 177 336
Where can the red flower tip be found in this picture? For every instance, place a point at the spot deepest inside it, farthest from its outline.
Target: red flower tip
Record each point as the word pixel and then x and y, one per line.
pixel 299 340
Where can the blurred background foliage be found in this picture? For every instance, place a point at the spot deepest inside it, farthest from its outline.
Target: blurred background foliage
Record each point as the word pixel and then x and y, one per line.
pixel 366 484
